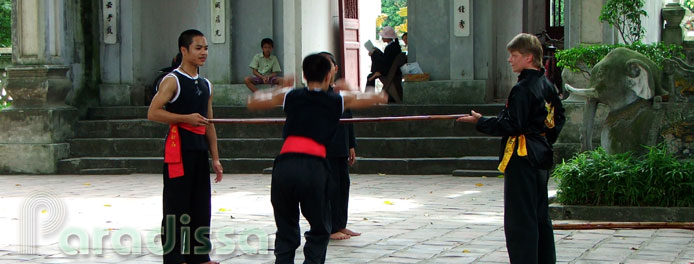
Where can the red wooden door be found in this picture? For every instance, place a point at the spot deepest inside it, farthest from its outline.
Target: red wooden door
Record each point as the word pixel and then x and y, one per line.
pixel 349 39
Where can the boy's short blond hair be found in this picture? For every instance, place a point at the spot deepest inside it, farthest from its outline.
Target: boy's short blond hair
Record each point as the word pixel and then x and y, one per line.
pixel 525 44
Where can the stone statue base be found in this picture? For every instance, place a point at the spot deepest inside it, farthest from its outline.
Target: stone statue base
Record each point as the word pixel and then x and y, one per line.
pixel 36 127
pixel 33 139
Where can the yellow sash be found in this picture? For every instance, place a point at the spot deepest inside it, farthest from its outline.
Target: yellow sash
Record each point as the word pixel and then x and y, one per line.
pixel 522 150
pixel 549 121
pixel 510 147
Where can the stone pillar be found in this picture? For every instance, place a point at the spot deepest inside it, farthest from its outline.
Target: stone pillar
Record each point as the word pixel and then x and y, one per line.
pixel 582 24
pixel 673 14
pixel 38 124
pixel 292 38
pixel 447 42
pixel 117 52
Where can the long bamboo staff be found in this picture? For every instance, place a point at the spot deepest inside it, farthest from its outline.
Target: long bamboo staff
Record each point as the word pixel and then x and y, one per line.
pixel 625 225
pixel 344 120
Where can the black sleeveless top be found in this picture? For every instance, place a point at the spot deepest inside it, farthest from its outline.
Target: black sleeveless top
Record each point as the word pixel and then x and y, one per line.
pixel 192 96
pixel 312 114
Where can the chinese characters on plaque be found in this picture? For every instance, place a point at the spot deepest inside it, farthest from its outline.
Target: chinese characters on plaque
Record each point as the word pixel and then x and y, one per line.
pixel 461 18
pixel 218 20
pixel 110 23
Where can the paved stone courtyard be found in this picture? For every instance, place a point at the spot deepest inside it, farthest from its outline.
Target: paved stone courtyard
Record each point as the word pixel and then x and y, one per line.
pixel 404 219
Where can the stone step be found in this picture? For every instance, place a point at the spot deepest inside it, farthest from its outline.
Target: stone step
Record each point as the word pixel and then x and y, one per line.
pixel 140 112
pixel 444 165
pixel 477 173
pixel 142 128
pixel 154 164
pixel 409 147
pixel 478 163
pixel 121 137
pixel 233 94
pixel 107 171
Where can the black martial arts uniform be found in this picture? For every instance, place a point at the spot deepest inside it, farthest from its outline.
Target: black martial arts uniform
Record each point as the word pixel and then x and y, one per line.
pixel 338 153
pixel 301 179
pixel 381 61
pixel 186 198
pixel 529 125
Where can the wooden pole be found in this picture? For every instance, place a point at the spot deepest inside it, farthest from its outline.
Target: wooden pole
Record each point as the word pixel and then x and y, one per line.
pixel 625 225
pixel 344 120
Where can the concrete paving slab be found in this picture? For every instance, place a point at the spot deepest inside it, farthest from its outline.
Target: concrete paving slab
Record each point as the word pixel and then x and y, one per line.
pixel 404 219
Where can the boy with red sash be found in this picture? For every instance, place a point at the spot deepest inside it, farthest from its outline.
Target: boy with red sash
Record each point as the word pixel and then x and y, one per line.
pixel 529 125
pixel 184 101
pixel 301 172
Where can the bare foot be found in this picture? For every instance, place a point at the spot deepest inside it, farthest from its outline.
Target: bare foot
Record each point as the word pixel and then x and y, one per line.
pixel 349 232
pixel 339 236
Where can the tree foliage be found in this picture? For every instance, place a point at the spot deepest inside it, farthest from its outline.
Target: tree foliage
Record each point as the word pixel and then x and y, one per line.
pixel 5 23
pixel 583 58
pixel 689 4
pixel 391 11
pixel 625 16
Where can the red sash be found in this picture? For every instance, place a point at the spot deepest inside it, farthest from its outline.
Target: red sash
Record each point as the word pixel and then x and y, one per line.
pixel 303 145
pixel 172 149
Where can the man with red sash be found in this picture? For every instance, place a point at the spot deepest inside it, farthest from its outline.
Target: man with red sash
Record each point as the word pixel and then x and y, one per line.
pixel 184 101
pixel 301 172
pixel 529 125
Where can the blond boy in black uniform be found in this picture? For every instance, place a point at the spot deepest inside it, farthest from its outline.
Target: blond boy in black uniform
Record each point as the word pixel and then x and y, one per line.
pixel 529 125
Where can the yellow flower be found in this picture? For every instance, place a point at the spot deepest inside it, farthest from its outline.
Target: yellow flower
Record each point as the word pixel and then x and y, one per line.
pixel 402 12
pixel 380 19
pixel 402 27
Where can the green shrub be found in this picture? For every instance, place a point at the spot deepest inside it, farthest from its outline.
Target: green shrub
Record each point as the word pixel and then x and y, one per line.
pixel 574 58
pixel 598 178
pixel 625 17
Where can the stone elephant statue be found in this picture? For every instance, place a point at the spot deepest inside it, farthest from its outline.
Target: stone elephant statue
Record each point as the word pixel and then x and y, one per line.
pixel 625 81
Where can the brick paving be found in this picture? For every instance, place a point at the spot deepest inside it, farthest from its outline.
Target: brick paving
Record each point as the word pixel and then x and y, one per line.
pixel 404 219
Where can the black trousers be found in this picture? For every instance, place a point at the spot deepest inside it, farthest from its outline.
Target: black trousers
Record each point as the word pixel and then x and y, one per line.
pixel 376 66
pixel 300 180
pixel 528 228
pixel 187 209
pixel 339 192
